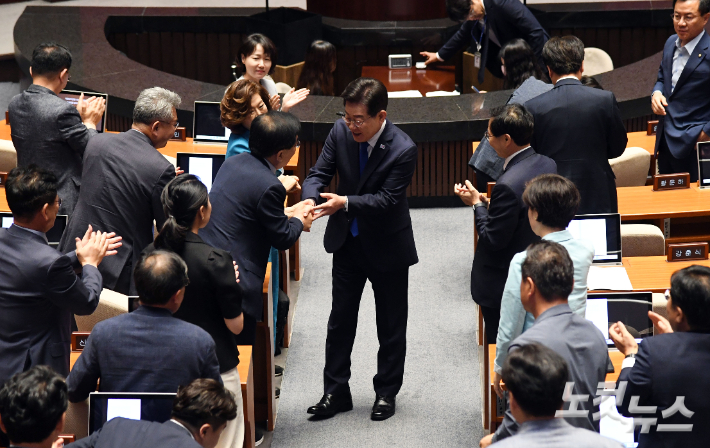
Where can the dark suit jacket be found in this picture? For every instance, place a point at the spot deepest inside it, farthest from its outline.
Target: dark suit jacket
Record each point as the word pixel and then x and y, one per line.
pixel 247 220
pixel 39 292
pixel 147 350
pixel 503 229
pixel 688 110
pixel 122 433
pixel 508 19
pixel 123 178
pixel 580 128
pixel 669 366
pixel 378 198
pixel 47 131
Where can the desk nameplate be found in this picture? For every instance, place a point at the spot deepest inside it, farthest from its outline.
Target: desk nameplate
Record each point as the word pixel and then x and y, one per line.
pixel 674 181
pixel 652 127
pixel 67 438
pixel 687 251
pixel 78 340
pixel 180 135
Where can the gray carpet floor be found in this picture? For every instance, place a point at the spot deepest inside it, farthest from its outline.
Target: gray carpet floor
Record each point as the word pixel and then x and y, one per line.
pixel 440 401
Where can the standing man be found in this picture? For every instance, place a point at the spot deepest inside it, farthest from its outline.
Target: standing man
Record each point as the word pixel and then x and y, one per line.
pixel 48 131
pixel 370 236
pixel 124 175
pixel 578 127
pixel 682 92
pixel 490 24
pixel 502 223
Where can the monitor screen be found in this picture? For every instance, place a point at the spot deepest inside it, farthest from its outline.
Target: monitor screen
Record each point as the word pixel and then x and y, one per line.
pixel 631 309
pixel 54 235
pixel 207 126
pixel 204 166
pixel 704 163
pixel 603 231
pixel 103 406
pixel 72 96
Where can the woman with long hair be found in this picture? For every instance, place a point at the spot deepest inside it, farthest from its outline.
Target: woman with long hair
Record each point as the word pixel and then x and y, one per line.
pixel 318 68
pixel 213 299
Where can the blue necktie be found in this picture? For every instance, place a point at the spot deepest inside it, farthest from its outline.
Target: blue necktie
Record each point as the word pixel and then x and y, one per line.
pixel 363 161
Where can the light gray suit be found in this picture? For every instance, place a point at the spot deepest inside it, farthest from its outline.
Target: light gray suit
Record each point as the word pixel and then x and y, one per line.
pixel 47 131
pixel 555 433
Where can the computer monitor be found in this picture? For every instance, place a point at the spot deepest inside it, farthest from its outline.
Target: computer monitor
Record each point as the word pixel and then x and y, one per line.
pixel 54 235
pixel 72 96
pixel 207 126
pixel 629 308
pixel 603 231
pixel 104 406
pixel 204 166
pixel 704 164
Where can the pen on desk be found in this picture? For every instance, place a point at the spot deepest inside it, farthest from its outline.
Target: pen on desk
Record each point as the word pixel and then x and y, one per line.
pixel 474 88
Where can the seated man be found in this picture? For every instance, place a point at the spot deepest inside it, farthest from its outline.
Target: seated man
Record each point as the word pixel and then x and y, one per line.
pixel 552 202
pixel 200 413
pixel 547 281
pixel 535 377
pixel 39 288
pixel 48 131
pixel 147 350
pixel 668 373
pixel 503 229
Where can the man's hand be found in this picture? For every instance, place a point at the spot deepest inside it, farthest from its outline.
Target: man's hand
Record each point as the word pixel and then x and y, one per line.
pixel 275 102
pixel 304 212
pixel 91 110
pixel 430 57
pixel 236 270
pixel 333 204
pixel 59 443
pixel 486 441
pixel 660 323
pixel 290 183
pixel 468 194
pixel 658 103
pixel 178 171
pixel 294 97
pixel 703 137
pixel 623 339
pixel 497 379
pixel 95 246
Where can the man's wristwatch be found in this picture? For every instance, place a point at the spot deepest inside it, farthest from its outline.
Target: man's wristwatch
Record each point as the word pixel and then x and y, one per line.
pixel 478 204
pixel 630 355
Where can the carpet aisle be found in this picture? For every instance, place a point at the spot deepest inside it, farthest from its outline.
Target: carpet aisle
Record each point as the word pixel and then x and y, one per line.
pixel 439 404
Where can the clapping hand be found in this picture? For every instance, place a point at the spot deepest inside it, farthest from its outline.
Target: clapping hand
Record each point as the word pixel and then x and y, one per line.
pixel 294 97
pixel 275 102
pixel 623 339
pixel 91 110
pixel 236 270
pixel 660 323
pixel 94 246
pixel 468 194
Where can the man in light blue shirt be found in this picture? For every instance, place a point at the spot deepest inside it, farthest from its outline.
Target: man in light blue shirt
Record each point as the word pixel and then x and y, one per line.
pixel 552 202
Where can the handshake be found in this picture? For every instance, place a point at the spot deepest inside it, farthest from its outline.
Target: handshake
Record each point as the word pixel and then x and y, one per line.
pixel 307 211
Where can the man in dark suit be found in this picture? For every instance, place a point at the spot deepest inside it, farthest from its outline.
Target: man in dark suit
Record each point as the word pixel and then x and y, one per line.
pixel 39 289
pixel 370 235
pixel 490 24
pixel 48 131
pixel 123 178
pixel 248 214
pixel 668 373
pixel 682 92
pixel 579 127
pixel 147 350
pixel 503 226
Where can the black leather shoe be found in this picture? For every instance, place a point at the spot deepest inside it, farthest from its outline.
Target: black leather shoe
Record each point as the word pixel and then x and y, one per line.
pixel 383 408
pixel 331 404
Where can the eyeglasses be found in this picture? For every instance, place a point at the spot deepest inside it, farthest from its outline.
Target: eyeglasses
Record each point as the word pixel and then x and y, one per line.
pixel 687 18
pixel 487 135
pixel 58 201
pixel 667 294
pixel 356 123
pixel 298 143
pixel 175 126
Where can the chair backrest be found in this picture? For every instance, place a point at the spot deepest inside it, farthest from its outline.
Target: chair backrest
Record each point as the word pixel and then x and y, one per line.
pixel 631 168
pixel 111 304
pixel 283 88
pixel 596 61
pixel 642 240
pixel 8 156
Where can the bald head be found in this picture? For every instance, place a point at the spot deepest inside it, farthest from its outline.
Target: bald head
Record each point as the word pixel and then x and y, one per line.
pixel 158 276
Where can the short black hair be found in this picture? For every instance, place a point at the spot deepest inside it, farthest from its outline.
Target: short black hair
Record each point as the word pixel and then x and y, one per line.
pixel 158 275
pixel 458 10
pixel 555 199
pixel 590 81
pixel 28 188
pixel 549 265
pixel 249 46
pixel 703 6
pixel 369 92
pixel 50 58
pixel 272 132
pixel 32 403
pixel 563 55
pixel 536 376
pixel 203 401
pixel 514 120
pixel 690 291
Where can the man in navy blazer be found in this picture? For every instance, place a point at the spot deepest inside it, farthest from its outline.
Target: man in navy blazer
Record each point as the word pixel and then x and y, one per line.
pixel 147 350
pixel 668 373
pixel 39 289
pixel 490 24
pixel 248 216
pixel 682 92
pixel 578 127
pixel 502 220
pixel 370 235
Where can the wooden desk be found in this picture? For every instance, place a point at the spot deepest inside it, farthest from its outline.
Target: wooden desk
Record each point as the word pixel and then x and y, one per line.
pixel 172 148
pixel 264 387
pixel 654 273
pixel 431 79
pixel 246 377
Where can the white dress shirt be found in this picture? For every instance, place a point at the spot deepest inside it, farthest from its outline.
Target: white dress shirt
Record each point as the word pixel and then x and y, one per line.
pixel 370 146
pixel 510 157
pixel 681 54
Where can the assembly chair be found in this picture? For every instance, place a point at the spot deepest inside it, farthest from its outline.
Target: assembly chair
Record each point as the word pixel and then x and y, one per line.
pixel 597 61
pixel 631 168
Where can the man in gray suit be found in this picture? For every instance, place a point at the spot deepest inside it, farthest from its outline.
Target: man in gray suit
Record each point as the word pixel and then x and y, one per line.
pixel 547 280
pixel 48 131
pixel 123 178
pixel 39 289
pixel 535 399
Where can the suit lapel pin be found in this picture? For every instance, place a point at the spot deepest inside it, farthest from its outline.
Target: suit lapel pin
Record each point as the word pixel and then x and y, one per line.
pixel 382 146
